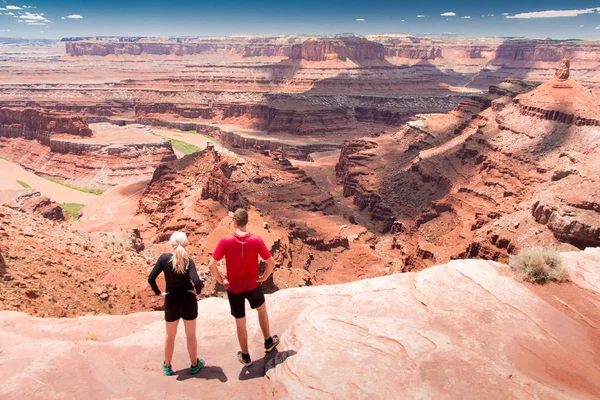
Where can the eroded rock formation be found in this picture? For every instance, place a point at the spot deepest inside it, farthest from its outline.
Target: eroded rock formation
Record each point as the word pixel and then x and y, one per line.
pixel 31 201
pixel 468 178
pixel 562 72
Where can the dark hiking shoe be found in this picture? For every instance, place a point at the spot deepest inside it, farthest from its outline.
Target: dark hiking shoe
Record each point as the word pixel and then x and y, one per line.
pixel 194 369
pixel 271 343
pixel 244 358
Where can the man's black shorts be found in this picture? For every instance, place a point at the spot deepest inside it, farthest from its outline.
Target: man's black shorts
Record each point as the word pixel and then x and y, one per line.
pixel 181 305
pixel 256 298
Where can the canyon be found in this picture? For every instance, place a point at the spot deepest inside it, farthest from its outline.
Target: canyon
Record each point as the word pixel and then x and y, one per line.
pixel 392 177
pixel 364 156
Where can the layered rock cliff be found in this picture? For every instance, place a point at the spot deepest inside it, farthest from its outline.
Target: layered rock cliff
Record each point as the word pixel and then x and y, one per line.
pixel 39 124
pixel 245 47
pixel 58 145
pixel 354 48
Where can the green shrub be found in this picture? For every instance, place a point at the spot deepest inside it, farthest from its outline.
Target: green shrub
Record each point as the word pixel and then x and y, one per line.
pixel 91 336
pixel 72 209
pixel 183 147
pixel 538 265
pixel 26 186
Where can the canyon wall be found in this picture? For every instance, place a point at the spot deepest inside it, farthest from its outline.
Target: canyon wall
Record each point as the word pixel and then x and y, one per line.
pixel 355 49
pixel 372 47
pixel 63 146
pixel 38 124
pixel 94 166
pixel 101 46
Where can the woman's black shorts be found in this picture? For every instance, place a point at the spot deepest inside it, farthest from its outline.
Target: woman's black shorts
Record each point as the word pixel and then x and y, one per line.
pixel 237 301
pixel 180 305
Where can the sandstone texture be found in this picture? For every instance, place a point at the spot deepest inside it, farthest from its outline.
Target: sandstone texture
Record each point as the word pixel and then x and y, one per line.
pixel 460 330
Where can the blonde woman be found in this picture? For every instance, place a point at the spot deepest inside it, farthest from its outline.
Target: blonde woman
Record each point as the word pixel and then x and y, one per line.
pixel 180 299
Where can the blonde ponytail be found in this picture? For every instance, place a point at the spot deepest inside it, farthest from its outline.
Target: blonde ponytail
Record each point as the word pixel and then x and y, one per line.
pixel 180 258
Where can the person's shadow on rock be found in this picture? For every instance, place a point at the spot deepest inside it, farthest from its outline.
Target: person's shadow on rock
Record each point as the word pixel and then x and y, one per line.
pixel 269 361
pixel 207 372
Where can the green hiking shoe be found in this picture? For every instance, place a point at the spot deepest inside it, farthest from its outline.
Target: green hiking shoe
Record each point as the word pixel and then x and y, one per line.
pixel 194 369
pixel 167 370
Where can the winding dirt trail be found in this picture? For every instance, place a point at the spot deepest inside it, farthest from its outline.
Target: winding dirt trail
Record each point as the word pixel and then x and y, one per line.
pixel 115 209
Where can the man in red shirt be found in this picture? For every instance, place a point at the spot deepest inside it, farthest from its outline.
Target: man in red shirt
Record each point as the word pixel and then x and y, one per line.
pixel 241 250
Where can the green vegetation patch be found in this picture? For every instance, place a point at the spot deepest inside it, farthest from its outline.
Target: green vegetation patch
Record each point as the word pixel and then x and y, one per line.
pixel 97 192
pixel 183 147
pixel 539 265
pixel 212 139
pixel 26 186
pixel 72 209
pixel 5 159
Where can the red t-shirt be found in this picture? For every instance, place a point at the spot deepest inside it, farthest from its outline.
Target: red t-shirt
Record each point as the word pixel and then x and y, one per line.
pixel 241 256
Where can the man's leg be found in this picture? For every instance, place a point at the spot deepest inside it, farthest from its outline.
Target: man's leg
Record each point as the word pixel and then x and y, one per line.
pixel 242 334
pixel 263 320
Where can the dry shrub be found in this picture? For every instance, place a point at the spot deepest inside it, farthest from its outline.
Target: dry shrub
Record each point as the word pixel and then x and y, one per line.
pixel 538 265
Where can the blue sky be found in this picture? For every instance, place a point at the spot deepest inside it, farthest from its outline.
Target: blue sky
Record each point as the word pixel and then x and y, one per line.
pixel 64 18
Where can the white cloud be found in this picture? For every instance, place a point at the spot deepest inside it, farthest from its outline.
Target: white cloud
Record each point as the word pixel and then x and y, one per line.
pixel 466 17
pixel 420 16
pixel 448 14
pixel 581 26
pixel 77 16
pixel 598 27
pixel 28 6
pixel 41 31
pixel 360 20
pixel 34 17
pixel 505 14
pixel 9 13
pixel 401 20
pixel 13 8
pixel 62 17
pixel 555 13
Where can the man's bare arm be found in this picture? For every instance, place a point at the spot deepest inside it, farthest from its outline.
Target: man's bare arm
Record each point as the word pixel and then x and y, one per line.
pixel 270 266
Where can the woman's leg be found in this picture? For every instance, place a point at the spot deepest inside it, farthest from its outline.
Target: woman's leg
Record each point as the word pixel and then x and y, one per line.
pixel 170 341
pixel 192 342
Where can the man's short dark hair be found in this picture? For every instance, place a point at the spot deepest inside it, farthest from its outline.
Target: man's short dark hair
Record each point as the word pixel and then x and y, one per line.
pixel 241 217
